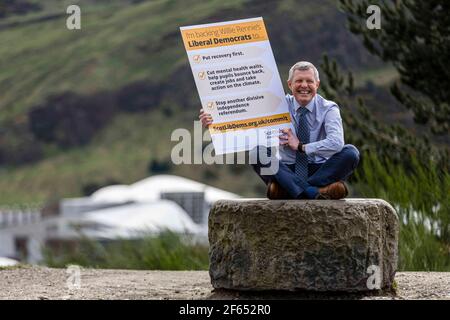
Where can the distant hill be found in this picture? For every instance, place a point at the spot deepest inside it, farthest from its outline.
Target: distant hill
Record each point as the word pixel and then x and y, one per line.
pixel 79 109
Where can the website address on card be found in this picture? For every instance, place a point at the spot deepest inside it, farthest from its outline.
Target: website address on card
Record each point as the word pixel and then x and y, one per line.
pixel 250 123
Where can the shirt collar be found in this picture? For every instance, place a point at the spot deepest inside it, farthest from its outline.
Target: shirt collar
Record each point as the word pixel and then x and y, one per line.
pixel 309 106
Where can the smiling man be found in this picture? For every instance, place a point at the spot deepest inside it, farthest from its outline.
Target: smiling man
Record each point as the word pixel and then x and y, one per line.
pixel 314 159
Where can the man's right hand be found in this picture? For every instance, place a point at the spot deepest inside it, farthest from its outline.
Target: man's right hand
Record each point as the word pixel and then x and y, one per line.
pixel 205 118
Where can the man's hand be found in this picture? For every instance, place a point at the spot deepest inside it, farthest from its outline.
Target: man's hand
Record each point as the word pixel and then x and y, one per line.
pixel 289 138
pixel 205 118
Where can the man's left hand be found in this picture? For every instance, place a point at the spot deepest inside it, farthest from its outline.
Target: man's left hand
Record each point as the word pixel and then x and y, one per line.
pixel 289 138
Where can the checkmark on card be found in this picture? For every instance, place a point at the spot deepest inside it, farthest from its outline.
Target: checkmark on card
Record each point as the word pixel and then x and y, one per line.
pixel 202 75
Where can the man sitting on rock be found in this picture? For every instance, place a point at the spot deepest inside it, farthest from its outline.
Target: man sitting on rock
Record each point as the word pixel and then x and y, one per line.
pixel 314 160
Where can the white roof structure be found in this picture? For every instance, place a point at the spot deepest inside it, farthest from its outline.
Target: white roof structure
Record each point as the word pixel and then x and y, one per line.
pixel 149 189
pixel 6 262
pixel 136 219
pixel 113 193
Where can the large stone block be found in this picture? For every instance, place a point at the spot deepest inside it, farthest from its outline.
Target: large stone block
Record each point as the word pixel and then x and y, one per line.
pixel 345 245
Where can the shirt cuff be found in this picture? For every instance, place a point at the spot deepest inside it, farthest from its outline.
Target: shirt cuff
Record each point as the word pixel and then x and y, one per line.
pixel 309 148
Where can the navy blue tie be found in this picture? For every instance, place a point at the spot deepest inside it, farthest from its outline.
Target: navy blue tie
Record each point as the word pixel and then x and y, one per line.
pixel 301 159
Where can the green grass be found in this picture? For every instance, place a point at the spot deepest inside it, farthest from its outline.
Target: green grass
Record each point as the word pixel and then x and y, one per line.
pixel 115 47
pixel 167 251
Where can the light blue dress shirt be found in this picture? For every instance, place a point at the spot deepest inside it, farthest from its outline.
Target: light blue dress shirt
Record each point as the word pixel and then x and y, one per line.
pixel 326 135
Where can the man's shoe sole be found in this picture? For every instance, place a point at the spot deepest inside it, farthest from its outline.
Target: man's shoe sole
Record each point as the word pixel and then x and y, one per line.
pixel 326 195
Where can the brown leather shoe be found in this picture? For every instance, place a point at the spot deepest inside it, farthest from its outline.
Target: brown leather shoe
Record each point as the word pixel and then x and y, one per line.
pixel 275 191
pixel 334 191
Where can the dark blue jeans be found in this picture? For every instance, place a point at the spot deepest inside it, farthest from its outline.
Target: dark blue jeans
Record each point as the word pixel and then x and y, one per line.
pixel 339 167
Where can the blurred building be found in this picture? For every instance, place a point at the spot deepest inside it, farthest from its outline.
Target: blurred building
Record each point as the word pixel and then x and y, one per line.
pixel 149 206
pixel 6 262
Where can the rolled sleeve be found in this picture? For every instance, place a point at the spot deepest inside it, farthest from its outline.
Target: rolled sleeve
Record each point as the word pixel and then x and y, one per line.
pixel 334 136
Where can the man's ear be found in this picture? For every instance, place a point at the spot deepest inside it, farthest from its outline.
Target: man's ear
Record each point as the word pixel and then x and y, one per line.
pixel 318 84
pixel 289 82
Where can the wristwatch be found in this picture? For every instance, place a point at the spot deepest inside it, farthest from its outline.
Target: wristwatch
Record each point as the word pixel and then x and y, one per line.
pixel 300 147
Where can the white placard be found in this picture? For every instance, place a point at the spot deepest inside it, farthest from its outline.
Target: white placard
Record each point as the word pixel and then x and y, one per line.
pixel 238 83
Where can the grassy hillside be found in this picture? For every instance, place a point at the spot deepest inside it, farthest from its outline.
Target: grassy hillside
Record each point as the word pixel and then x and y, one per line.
pixel 127 42
pixel 118 44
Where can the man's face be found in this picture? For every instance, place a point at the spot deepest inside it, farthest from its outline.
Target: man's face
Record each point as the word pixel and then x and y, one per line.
pixel 303 86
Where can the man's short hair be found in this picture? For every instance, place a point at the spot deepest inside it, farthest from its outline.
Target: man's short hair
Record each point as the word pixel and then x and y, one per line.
pixel 303 65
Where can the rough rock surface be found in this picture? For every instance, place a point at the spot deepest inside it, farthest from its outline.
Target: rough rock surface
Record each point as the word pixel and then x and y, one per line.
pixel 259 244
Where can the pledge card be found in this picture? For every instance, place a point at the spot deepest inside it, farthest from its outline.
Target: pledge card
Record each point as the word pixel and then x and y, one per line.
pixel 238 83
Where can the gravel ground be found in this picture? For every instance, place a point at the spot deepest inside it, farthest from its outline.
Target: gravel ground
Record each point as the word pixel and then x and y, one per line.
pixel 32 282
